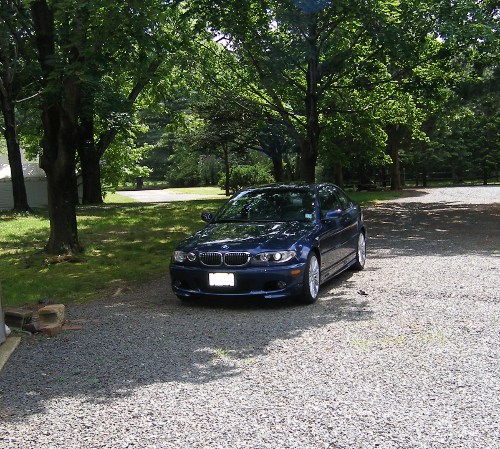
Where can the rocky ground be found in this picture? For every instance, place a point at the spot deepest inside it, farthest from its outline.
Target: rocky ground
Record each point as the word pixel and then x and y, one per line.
pixel 402 355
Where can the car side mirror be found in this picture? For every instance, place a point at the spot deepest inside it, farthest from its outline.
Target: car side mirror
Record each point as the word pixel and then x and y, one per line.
pixel 207 216
pixel 333 214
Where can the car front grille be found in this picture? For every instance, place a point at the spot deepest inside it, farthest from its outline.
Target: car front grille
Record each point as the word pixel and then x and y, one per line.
pixel 236 259
pixel 211 259
pixel 215 259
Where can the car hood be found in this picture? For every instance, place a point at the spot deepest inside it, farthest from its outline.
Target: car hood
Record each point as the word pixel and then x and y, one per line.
pixel 248 236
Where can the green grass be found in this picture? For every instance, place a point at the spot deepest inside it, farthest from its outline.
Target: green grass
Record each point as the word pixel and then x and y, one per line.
pixel 125 243
pixel 207 190
pixel 115 198
pixel 369 198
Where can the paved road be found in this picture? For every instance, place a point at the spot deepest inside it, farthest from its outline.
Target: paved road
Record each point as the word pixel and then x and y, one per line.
pixel 456 195
pixel 463 195
pixel 162 196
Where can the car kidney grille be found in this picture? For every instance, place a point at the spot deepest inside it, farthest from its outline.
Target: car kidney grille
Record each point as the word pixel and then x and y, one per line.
pixel 236 259
pixel 212 259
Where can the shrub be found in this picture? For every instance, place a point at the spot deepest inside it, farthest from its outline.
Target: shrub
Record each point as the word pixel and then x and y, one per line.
pixel 247 175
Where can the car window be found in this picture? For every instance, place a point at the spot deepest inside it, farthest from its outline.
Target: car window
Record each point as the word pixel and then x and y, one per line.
pixel 328 200
pixel 269 205
pixel 345 201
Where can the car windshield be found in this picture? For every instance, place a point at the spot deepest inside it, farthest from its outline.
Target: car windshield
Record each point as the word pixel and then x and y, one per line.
pixel 269 205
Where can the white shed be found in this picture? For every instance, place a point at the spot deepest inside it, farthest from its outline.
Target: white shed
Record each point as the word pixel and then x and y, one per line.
pixel 34 179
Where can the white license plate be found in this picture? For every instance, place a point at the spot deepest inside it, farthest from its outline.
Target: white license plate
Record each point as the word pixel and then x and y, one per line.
pixel 221 279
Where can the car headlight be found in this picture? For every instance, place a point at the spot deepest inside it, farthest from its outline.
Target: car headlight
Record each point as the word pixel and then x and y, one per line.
pixel 275 256
pixel 182 256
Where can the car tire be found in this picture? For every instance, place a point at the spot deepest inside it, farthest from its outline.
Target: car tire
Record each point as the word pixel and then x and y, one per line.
pixel 359 264
pixel 312 276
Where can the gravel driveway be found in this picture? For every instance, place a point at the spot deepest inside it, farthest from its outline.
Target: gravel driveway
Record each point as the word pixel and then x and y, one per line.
pixel 402 355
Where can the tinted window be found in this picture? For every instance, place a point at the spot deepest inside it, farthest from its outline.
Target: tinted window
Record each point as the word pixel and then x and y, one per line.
pixel 344 200
pixel 269 205
pixel 328 200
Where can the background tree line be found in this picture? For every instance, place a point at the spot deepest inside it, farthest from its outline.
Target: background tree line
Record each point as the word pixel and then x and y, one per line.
pixel 198 92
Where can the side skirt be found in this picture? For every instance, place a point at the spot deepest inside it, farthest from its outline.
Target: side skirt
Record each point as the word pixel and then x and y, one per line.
pixel 338 268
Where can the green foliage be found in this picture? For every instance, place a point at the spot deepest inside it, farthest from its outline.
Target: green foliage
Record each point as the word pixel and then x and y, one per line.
pixel 183 168
pixel 234 77
pixel 247 175
pixel 209 168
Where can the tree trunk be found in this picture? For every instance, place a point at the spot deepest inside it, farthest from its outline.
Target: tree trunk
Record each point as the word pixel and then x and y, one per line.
pixel 307 167
pixel 396 134
pixel 58 162
pixel 90 159
pixel 91 177
pixel 278 168
pixel 14 154
pixel 63 227
pixel 59 112
pixel 393 151
pixel 338 174
pixel 383 175
pixel 309 146
pixel 226 169
pixel 9 115
pixel 395 168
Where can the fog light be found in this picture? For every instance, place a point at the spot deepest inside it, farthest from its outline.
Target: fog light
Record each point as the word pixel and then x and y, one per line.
pixel 281 284
pixel 177 283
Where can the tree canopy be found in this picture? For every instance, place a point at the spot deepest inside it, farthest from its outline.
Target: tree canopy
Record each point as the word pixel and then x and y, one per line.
pixel 305 89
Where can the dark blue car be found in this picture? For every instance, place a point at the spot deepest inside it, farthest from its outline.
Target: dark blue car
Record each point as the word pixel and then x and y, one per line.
pixel 272 242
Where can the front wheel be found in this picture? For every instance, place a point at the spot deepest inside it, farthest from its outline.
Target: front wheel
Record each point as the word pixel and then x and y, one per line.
pixel 310 290
pixel 360 253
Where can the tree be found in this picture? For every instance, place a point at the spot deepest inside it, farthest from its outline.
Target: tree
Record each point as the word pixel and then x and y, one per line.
pixel 451 85
pixel 217 117
pixel 91 152
pixel 60 61
pixel 151 34
pixel 74 61
pixel 10 60
pixel 307 59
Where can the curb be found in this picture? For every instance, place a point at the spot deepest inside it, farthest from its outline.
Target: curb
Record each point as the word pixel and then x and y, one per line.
pixel 7 348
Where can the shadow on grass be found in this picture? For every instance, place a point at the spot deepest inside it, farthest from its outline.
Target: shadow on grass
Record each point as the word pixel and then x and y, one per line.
pixel 123 243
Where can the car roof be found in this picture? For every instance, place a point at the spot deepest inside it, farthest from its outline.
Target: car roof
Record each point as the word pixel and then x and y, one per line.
pixel 288 186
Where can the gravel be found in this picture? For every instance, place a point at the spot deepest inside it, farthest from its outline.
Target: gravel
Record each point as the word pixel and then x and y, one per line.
pixel 402 355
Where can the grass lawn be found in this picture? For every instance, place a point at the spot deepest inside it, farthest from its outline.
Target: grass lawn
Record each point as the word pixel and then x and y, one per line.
pixel 369 198
pixel 208 190
pixel 125 243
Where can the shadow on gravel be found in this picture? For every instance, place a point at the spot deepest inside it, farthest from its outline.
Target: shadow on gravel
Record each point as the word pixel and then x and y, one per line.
pixel 142 338
pixel 432 229
pixel 146 336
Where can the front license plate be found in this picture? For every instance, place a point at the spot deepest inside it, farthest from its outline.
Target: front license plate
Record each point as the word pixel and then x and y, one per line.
pixel 221 279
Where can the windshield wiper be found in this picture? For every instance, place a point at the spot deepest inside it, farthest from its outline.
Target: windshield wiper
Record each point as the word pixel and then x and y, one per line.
pixel 230 220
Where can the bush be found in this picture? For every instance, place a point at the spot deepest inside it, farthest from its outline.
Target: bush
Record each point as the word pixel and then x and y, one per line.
pixel 247 175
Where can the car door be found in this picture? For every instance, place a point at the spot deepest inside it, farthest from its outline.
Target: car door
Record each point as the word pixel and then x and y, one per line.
pixel 331 235
pixel 349 223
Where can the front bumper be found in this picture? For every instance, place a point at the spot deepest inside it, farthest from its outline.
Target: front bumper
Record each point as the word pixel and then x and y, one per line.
pixel 265 282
